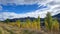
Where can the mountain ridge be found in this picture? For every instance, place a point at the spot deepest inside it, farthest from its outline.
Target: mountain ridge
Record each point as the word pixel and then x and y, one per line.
pixel 32 18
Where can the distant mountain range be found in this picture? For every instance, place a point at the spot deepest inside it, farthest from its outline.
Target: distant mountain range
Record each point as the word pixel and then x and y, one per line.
pixel 57 16
pixel 32 18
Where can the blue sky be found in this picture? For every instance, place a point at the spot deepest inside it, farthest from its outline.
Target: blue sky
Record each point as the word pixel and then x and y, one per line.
pixel 24 8
pixel 21 8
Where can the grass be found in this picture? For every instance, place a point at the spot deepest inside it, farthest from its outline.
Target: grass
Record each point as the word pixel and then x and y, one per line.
pixel 10 29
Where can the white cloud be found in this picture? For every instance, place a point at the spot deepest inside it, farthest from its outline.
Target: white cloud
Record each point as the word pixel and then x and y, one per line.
pixel 18 2
pixel 53 7
pixel 10 15
pixel 21 2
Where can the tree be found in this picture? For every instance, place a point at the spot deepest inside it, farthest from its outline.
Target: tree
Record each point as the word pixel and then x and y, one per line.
pixel 55 26
pixel 18 23
pixel 7 20
pixel 46 25
pixel 28 23
pixel 49 21
pixel 34 25
pixel 23 25
pixel 38 23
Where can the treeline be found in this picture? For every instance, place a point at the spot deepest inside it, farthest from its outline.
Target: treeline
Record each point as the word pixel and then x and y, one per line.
pixel 50 23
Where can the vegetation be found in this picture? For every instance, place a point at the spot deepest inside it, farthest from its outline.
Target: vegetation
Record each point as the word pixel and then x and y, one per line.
pixel 55 26
pixel 50 23
pixel 7 21
pixel 18 23
pixel 31 27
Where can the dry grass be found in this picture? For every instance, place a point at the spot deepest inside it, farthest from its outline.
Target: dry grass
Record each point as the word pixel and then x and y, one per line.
pixel 10 29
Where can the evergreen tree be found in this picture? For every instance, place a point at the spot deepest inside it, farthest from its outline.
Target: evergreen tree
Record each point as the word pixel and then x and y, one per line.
pixel 7 20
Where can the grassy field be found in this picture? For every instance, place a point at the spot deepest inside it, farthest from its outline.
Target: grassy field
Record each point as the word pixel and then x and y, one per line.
pixel 10 29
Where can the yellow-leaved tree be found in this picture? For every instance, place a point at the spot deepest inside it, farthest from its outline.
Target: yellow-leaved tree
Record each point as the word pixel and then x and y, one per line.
pixel 38 23
pixel 34 25
pixel 28 23
pixel 18 23
pixel 55 26
pixel 48 21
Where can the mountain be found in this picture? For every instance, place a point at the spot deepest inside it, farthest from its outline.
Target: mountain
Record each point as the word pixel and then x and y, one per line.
pixel 57 16
pixel 32 18
pixel 24 19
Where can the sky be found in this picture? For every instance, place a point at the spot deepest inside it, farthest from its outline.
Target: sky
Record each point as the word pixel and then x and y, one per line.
pixel 28 8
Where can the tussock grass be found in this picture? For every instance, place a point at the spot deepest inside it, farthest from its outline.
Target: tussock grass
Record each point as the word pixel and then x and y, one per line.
pixel 9 29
